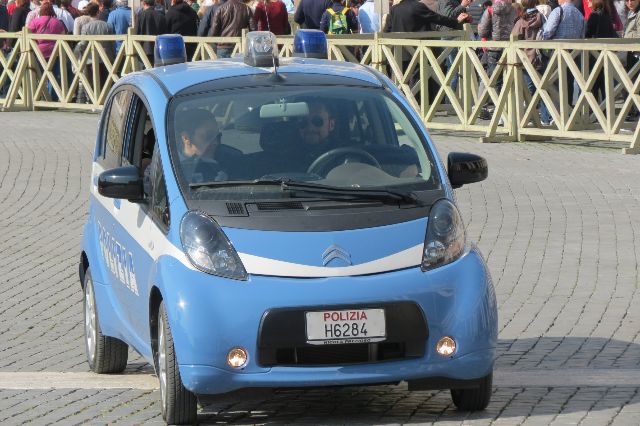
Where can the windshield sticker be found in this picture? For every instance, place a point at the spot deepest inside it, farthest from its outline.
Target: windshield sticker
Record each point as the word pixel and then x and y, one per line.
pixel 120 260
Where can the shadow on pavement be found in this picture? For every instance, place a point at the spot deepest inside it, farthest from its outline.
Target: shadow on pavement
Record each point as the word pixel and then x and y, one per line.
pixel 517 358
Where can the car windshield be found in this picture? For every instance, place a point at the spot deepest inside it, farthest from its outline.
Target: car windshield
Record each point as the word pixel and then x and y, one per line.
pixel 260 143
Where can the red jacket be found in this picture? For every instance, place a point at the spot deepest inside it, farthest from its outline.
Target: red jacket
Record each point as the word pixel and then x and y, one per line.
pixel 278 19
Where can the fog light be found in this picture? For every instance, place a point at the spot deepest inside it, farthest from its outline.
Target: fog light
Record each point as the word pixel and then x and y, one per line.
pixel 446 346
pixel 237 358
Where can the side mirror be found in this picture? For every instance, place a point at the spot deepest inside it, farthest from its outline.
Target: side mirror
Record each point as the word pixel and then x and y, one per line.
pixel 464 168
pixel 122 182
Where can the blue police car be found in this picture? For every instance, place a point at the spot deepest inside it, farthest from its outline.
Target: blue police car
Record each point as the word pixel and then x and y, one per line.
pixel 280 222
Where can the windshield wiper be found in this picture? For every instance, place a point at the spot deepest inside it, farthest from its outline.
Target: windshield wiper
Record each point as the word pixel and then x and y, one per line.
pixel 231 183
pixel 336 193
pixel 352 193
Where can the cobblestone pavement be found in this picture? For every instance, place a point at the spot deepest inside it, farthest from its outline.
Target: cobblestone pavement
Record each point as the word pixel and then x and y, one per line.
pixel 558 224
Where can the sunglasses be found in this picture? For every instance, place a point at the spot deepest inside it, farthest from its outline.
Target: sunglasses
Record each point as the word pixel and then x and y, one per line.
pixel 315 120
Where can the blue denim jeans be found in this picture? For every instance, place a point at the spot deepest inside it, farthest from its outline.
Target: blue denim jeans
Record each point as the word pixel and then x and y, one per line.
pixel 56 74
pixel 224 52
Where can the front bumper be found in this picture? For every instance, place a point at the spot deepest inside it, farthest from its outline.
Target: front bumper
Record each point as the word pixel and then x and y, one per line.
pixel 209 316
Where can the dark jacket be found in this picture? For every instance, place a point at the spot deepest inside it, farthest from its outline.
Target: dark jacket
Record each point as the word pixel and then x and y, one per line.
pixel 150 22
pixel 600 25
pixel 104 15
pixel 18 19
pixel 4 18
pixel 204 27
pixel 450 8
pixel 309 13
pixel 182 19
pixel 413 16
pixel 230 19
pixel 352 20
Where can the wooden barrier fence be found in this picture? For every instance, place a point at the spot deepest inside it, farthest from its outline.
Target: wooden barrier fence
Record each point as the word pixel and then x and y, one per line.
pixel 440 73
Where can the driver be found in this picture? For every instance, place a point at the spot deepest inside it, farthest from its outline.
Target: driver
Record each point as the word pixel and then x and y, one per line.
pixel 200 137
pixel 317 132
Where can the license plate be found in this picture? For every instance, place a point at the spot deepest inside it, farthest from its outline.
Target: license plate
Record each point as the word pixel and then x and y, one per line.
pixel 347 326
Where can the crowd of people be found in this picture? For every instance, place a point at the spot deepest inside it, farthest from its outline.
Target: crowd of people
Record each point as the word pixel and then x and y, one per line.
pixel 527 19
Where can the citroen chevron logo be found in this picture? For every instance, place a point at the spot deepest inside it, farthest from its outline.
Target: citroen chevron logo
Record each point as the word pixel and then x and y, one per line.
pixel 335 252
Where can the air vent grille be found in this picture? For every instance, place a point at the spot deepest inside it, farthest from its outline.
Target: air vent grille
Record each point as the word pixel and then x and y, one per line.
pixel 236 209
pixel 276 206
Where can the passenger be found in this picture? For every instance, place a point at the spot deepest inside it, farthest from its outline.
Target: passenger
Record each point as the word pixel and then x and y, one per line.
pixel 200 137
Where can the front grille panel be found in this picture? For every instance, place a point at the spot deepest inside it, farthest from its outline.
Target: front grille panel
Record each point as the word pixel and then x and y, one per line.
pixel 282 338
pixel 338 354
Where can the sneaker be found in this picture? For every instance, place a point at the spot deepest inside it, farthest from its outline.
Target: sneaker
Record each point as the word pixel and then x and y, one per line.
pixel 484 114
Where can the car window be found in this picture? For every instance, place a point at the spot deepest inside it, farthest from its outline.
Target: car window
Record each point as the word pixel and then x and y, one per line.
pixel 159 202
pixel 142 143
pixel 343 137
pixel 115 129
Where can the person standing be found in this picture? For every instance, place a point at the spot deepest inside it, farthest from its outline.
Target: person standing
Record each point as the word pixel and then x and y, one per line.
pixel 105 10
pixel 368 18
pixel 414 16
pixel 204 27
pixel 4 18
pixel 339 19
pixel 564 23
pixel 19 16
pixel 95 26
pixel 151 22
pixel 48 23
pixel 526 28
pixel 183 20
pixel 271 15
pixel 632 30
pixel 309 13
pixel 63 15
pixel 496 25
pixel 229 21
pixel 120 20
pixel 80 21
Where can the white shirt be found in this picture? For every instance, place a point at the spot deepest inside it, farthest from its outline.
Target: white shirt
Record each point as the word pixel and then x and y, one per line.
pixel 368 18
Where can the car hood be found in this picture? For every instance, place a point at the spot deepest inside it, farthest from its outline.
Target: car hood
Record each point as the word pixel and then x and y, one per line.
pixel 328 254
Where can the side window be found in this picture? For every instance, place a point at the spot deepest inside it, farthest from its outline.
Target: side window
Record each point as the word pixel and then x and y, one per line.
pixel 115 129
pixel 139 151
pixel 159 202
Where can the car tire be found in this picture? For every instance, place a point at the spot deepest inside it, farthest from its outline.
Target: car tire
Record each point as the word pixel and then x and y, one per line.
pixel 474 399
pixel 106 355
pixel 179 405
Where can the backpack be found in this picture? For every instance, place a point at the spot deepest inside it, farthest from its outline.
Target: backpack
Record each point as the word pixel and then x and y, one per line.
pixel 338 22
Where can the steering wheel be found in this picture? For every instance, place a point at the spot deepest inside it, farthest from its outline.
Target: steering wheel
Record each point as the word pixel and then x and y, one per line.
pixel 333 158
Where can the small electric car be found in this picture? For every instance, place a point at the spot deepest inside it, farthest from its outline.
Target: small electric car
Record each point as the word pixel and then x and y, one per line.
pixel 280 222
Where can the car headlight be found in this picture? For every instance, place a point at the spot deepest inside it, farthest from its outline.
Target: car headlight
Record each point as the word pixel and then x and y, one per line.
pixel 445 239
pixel 208 248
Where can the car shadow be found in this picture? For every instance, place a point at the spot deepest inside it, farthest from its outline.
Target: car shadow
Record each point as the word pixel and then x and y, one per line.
pixel 519 360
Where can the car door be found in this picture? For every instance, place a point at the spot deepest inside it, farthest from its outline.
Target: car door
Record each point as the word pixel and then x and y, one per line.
pixel 135 229
pixel 109 156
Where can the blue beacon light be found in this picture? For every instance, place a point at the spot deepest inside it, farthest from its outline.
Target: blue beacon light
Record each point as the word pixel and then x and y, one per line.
pixel 169 50
pixel 310 44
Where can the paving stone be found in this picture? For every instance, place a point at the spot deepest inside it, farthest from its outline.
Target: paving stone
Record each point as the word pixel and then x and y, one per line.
pixel 559 225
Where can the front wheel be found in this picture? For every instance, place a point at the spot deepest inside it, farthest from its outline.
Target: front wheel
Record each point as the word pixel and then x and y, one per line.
pixel 474 399
pixel 106 355
pixel 179 405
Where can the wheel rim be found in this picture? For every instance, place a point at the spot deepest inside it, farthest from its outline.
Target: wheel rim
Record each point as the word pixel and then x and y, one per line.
pixel 90 327
pixel 162 359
